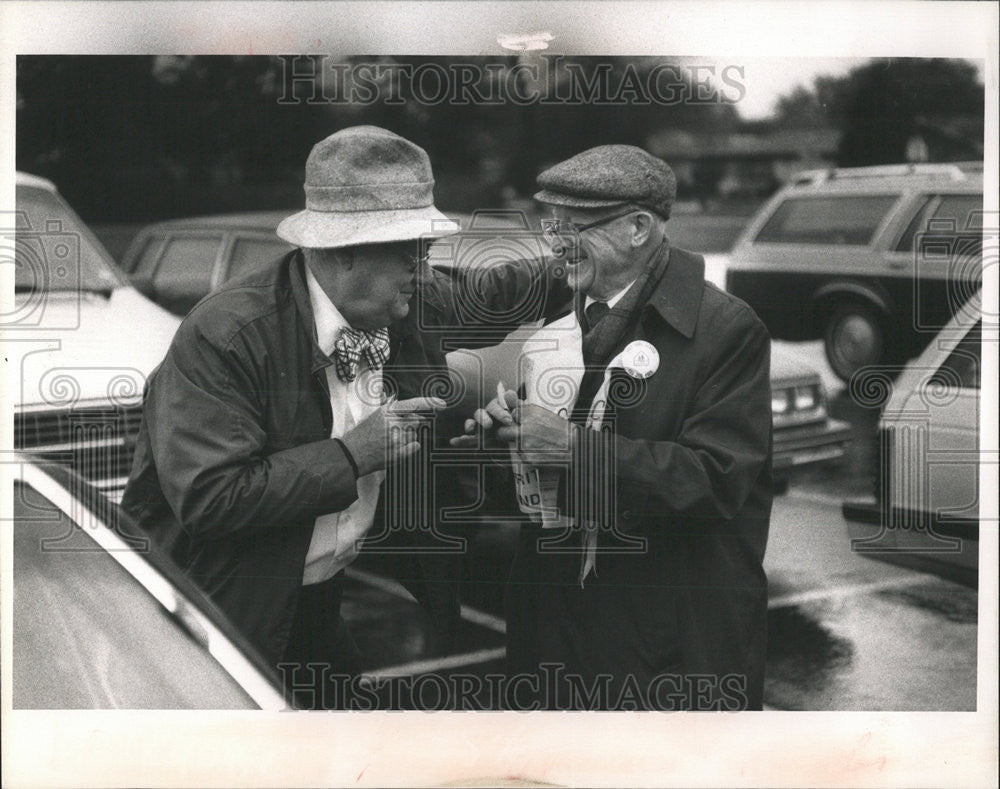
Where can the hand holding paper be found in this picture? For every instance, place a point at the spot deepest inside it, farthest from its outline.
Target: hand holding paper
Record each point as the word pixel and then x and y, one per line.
pixel 496 413
pixel 541 436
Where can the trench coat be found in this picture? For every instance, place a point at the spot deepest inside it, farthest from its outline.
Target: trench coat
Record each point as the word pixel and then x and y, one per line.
pixel 675 617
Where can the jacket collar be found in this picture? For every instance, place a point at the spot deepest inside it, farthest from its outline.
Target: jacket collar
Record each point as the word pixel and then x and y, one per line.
pixel 677 297
pixel 296 263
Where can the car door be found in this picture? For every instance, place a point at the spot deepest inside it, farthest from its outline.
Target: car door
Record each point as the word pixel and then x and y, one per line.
pixel 937 246
pixel 934 473
pixel 804 251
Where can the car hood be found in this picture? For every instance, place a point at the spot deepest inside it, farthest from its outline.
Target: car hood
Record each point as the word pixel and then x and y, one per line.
pixel 716 264
pixel 90 348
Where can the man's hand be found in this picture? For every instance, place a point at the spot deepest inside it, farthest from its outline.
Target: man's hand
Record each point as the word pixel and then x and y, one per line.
pixel 484 420
pixel 542 436
pixel 390 433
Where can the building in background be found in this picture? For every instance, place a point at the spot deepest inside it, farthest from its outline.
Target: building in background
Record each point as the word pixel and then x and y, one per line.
pixel 742 164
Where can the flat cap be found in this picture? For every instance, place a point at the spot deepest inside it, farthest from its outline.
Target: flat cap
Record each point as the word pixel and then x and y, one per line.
pixel 610 175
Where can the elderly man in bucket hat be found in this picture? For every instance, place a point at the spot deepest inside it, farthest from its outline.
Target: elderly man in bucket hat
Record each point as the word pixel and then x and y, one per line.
pixel 266 433
pixel 657 597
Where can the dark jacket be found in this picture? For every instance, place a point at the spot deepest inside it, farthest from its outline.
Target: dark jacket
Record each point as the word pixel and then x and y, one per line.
pixel 680 589
pixel 234 461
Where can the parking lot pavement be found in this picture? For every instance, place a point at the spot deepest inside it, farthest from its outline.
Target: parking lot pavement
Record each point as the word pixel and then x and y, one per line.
pixel 850 633
pixel 845 632
pixel 391 630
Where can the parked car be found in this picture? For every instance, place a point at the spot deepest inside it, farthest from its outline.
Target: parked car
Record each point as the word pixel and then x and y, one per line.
pixel 803 431
pixel 177 262
pixel 103 620
pixel 872 260
pixel 926 503
pixel 84 341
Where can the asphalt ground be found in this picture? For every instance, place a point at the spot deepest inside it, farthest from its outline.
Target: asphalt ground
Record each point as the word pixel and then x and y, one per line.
pixel 844 632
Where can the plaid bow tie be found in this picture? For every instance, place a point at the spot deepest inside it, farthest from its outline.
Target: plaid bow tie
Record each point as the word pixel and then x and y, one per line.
pixel 353 345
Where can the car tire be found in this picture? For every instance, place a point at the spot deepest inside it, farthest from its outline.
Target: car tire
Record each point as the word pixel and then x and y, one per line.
pixel 855 336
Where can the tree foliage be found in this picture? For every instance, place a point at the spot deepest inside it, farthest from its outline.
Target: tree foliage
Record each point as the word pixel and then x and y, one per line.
pixel 881 105
pixel 146 137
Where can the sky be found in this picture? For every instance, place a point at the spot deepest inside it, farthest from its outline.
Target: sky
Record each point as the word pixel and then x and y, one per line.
pixel 767 79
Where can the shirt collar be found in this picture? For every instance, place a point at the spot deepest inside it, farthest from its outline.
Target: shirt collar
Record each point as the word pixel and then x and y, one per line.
pixel 613 300
pixel 326 317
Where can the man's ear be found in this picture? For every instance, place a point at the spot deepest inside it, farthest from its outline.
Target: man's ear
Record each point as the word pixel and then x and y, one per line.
pixel 642 226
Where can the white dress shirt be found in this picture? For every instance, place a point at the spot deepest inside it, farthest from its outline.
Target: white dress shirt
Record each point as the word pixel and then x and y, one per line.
pixel 335 536
pixel 612 301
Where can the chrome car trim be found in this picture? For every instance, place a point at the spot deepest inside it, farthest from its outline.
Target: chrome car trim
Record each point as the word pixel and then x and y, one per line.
pixel 75 446
pixel 80 405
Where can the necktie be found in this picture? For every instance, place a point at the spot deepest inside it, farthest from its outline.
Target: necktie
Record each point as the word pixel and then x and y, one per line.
pixel 352 346
pixel 595 312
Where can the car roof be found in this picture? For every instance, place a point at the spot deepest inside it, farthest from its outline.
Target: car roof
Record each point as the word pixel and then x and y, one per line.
pixel 962 176
pixel 27 179
pixel 263 221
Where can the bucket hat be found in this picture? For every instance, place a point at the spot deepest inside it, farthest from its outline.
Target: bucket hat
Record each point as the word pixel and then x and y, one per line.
pixel 366 185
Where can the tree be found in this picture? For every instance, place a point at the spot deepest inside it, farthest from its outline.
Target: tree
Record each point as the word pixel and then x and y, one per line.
pixel 881 105
pixel 136 138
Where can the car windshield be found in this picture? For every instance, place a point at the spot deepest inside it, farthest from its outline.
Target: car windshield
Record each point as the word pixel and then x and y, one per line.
pixel 54 249
pixel 827 220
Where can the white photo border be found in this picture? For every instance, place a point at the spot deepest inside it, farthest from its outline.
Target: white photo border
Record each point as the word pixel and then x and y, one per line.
pixel 592 749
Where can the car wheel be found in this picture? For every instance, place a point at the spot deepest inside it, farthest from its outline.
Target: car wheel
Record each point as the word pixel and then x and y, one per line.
pixel 855 337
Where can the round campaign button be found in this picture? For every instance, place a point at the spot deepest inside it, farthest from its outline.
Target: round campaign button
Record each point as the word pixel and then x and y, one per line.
pixel 640 359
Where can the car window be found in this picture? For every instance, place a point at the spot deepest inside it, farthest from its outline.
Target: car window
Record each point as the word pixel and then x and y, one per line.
pixel 918 223
pixel 960 214
pixel 250 253
pixel 962 364
pixel 88 635
pixel 145 261
pixel 54 250
pixel 843 219
pixel 185 269
pixel 951 215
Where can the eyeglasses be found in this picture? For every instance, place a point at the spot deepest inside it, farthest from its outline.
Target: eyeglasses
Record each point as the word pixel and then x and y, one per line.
pixel 553 228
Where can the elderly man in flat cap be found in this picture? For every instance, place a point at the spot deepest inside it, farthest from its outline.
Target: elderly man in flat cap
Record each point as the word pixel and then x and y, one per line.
pixel 266 435
pixel 654 597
